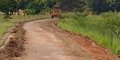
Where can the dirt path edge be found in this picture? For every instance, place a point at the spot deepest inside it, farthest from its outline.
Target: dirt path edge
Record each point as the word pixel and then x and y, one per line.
pixel 13 43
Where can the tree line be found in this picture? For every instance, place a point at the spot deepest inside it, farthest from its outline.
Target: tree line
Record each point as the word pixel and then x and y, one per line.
pixel 33 6
pixel 97 6
pixel 37 6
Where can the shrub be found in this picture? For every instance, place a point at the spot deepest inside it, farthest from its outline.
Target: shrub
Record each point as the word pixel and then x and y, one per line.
pixel 33 8
pixel 29 11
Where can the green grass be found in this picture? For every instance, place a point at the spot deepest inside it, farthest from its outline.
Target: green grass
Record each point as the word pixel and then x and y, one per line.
pixel 103 29
pixel 5 25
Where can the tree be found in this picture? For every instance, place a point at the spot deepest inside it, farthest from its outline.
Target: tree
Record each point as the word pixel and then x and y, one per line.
pixel 22 4
pixel 71 5
pixel 34 8
pixel 114 5
pixel 100 6
pixel 7 6
pixel 49 3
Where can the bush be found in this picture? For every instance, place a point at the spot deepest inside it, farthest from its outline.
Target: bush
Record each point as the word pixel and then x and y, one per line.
pixel 46 10
pixel 33 8
pixel 29 11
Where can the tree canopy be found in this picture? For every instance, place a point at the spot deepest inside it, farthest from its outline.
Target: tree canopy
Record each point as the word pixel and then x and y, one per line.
pixel 7 6
pixel 97 6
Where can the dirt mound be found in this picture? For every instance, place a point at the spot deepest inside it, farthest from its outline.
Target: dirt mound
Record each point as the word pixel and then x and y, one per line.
pixel 14 41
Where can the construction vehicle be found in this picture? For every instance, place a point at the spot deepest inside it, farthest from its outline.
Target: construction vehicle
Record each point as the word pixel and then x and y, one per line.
pixel 56 12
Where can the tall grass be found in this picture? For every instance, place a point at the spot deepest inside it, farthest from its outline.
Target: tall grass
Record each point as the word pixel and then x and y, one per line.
pixel 104 29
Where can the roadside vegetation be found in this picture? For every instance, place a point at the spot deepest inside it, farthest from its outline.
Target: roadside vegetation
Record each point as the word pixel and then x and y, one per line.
pixel 5 25
pixel 103 29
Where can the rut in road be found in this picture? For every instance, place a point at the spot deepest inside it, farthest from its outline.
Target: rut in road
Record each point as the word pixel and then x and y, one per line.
pixel 43 42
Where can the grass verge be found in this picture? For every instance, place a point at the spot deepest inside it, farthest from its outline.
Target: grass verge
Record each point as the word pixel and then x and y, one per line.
pixel 103 29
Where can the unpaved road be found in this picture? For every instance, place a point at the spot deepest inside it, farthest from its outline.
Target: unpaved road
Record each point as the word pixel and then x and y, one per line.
pixel 46 42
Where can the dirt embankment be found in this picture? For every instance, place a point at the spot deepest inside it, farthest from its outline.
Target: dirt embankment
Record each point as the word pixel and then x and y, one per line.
pixel 13 42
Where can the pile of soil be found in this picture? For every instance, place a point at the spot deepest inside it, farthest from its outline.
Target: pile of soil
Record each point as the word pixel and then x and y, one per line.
pixel 14 42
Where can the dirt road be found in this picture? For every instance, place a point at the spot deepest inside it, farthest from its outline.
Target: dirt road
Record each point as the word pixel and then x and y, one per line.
pixel 44 41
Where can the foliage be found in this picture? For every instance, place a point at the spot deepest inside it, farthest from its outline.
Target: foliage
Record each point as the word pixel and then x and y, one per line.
pixel 100 6
pixel 73 5
pixel 33 8
pixel 22 4
pixel 30 11
pixel 97 6
pixel 49 3
pixel 114 4
pixel 7 6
